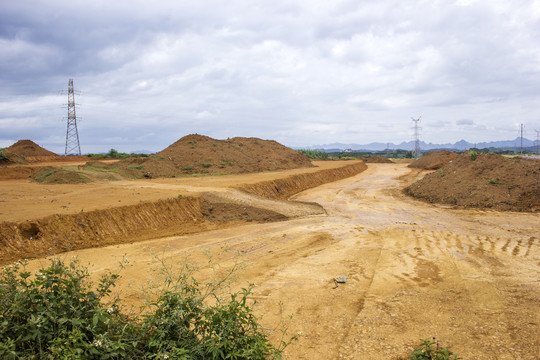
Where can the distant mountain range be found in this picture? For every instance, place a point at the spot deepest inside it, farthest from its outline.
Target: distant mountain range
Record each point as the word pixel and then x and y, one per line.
pixel 409 145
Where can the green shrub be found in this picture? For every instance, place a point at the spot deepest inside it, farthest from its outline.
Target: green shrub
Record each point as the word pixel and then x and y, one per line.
pixel 204 165
pixel 429 350
pixel 494 181
pixel 57 313
pixel 187 168
pixel 315 154
pixel 54 314
pixel 473 155
pixel 3 157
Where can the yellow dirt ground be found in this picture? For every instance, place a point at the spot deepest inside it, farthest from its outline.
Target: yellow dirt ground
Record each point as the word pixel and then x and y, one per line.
pixel 26 200
pixel 469 278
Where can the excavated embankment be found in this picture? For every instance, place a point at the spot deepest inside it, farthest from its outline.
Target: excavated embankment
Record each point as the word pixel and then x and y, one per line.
pixel 59 233
pixel 285 188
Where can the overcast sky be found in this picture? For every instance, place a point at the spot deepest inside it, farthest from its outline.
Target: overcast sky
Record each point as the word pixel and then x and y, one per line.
pixel 301 72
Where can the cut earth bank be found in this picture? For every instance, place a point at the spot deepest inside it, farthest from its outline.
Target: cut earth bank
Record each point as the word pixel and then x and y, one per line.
pixel 414 270
pixel 38 220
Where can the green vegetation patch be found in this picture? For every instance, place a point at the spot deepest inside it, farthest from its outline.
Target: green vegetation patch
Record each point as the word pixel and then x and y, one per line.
pixel 58 313
pixel 429 350
pixel 58 175
pixel 315 154
pixel 114 154
pixel 92 168
pixel 3 157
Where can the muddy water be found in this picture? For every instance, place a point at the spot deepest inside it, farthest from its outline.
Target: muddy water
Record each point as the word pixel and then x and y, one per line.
pixel 413 270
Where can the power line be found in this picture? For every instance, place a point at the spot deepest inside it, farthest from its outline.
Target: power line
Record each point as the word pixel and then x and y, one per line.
pixel 73 146
pixel 416 153
pixel 521 131
pixel 537 141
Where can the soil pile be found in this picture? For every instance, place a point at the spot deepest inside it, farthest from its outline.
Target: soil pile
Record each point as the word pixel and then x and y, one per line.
pixel 485 181
pixel 198 154
pixel 434 160
pixel 378 160
pixel 57 175
pixel 27 150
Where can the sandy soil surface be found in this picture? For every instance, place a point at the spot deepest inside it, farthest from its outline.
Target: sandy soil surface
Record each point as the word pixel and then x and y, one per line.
pixel 26 200
pixel 469 278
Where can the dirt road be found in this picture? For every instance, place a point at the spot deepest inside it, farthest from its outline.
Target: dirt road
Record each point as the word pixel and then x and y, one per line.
pixel 469 278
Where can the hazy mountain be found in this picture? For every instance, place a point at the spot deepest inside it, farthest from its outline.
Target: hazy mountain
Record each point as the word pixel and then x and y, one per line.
pixel 409 145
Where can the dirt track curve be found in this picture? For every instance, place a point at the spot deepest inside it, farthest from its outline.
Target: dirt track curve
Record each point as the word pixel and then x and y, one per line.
pixel 469 278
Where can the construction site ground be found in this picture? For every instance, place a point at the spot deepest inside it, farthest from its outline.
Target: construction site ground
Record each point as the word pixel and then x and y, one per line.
pixel 413 270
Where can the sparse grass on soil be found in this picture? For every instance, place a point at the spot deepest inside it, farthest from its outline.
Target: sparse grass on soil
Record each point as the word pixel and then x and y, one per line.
pixel 58 175
pixel 484 181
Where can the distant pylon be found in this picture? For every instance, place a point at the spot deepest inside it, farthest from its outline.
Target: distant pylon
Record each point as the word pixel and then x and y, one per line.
pixel 72 134
pixel 416 153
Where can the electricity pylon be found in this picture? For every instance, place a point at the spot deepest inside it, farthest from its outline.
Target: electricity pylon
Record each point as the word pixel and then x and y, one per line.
pixel 416 153
pixel 73 146
pixel 537 141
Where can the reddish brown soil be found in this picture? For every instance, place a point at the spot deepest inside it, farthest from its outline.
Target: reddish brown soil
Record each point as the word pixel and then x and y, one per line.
pixel 378 160
pixel 58 175
pixel 26 158
pixel 24 151
pixel 434 160
pixel 490 181
pixel 198 154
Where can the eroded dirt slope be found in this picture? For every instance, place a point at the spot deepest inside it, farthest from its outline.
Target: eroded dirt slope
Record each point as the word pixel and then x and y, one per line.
pixel 434 160
pixel 484 181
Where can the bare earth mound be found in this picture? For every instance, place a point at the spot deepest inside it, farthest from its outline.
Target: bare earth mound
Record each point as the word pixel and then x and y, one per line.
pixel 434 160
pixel 27 150
pixel 378 160
pixel 198 154
pixel 485 181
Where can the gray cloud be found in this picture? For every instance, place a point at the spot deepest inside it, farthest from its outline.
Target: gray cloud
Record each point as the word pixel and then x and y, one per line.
pixel 301 73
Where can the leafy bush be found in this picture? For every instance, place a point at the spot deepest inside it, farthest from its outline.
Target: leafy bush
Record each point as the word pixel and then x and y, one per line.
pixel 473 155
pixel 56 314
pixel 3 157
pixel 114 154
pixel 429 350
pixel 315 154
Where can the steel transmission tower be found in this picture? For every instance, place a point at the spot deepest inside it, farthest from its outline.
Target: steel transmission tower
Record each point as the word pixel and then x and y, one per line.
pixel 72 134
pixel 416 153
